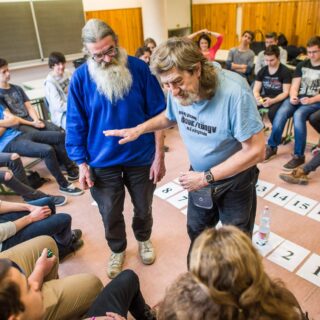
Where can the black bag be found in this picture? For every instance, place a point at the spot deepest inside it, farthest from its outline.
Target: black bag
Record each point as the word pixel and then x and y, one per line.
pixel 258 45
pixel 34 179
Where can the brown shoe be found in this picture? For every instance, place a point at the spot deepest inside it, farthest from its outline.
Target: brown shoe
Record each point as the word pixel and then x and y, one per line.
pixel 297 176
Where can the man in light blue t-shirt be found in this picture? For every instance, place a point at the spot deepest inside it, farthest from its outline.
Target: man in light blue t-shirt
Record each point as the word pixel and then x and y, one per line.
pixel 221 128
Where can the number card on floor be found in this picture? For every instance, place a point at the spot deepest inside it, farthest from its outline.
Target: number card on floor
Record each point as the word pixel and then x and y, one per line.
pixel 300 204
pixel 273 242
pixel 315 213
pixel 180 200
pixel 311 270
pixel 280 196
pixel 167 190
pixel 263 187
pixel 288 255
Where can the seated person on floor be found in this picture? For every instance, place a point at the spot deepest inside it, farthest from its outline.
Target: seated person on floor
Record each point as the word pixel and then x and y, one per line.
pixel 272 83
pixel 17 180
pixel 20 222
pixel 31 290
pixel 56 88
pixel 241 59
pixel 47 145
pixel 204 42
pixel 15 99
pixel 143 53
pixel 304 100
pixel 271 39
pixel 227 281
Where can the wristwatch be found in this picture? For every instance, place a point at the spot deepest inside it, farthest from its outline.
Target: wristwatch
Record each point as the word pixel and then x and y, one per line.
pixel 209 177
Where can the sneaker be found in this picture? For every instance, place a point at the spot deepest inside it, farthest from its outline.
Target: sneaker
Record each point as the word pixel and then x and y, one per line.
pixel 146 252
pixel 58 200
pixel 73 173
pixel 71 190
pixel 75 246
pixel 76 235
pixel 115 264
pixel 295 162
pixel 297 176
pixel 271 152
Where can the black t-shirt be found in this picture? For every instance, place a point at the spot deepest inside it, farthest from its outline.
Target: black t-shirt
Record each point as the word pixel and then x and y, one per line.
pixel 272 84
pixel 310 78
pixel 14 99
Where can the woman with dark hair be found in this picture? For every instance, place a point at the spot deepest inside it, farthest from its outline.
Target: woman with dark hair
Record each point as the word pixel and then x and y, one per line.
pixel 144 53
pixel 204 42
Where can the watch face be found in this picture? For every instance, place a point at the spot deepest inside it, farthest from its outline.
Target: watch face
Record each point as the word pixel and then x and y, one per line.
pixel 209 177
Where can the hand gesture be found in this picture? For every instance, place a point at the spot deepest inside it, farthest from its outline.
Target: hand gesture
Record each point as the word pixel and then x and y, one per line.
pixel 113 316
pixel 192 180
pixel 267 102
pixel 85 177
pixel 294 100
pixel 38 124
pixel 157 169
pixel 306 100
pixel 127 134
pixel 45 264
pixel 39 213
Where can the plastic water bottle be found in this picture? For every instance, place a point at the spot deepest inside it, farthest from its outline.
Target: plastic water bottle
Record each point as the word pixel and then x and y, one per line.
pixel 264 229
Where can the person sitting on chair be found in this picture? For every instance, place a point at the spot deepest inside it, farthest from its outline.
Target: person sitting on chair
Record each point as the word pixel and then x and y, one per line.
pixel 56 88
pixel 20 222
pixel 17 180
pixel 272 83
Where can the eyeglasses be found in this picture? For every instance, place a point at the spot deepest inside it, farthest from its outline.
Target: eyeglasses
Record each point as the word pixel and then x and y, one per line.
pixel 313 52
pixel 111 52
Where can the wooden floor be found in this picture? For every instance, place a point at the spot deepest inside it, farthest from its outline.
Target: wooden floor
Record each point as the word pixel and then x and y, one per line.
pixel 170 237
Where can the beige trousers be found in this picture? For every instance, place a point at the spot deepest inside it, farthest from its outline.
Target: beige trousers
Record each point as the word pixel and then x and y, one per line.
pixel 67 298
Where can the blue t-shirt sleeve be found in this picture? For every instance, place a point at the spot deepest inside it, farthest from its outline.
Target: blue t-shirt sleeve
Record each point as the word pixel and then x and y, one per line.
pixel 245 118
pixel 171 108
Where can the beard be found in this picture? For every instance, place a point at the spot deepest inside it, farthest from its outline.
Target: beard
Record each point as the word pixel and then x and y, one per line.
pixel 113 79
pixel 187 98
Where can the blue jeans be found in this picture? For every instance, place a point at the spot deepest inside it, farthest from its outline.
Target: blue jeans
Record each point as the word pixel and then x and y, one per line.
pixel 47 145
pixel 109 193
pixel 300 114
pixel 58 226
pixel 232 200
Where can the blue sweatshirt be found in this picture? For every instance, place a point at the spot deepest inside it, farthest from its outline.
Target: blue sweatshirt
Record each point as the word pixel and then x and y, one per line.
pixel 89 113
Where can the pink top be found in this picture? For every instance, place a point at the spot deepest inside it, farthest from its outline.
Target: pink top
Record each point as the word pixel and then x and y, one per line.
pixel 210 55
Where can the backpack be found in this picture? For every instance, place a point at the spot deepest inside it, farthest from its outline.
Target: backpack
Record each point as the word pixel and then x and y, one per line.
pixel 35 180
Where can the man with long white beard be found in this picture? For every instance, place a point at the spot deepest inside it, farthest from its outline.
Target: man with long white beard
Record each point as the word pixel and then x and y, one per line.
pixel 113 90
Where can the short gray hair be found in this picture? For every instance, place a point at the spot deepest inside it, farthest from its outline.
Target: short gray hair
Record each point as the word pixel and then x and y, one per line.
pixel 95 30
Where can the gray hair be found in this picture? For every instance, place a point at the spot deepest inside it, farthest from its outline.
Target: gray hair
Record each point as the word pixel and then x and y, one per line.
pixel 95 30
pixel 183 54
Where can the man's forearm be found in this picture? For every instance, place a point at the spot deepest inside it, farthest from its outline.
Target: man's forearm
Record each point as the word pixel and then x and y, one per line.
pixel 159 139
pixel 241 160
pixel 159 122
pixel 6 207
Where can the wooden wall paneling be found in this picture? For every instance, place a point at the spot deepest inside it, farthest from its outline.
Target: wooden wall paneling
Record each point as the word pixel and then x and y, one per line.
pixel 270 16
pixel 307 22
pixel 127 23
pixel 217 17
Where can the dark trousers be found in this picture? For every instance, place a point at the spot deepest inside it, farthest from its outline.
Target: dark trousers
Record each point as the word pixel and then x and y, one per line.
pixel 49 126
pixel 313 164
pixel 58 226
pixel 121 295
pixel 232 200
pixel 47 145
pixel 109 193
pixel 19 182
pixel 314 120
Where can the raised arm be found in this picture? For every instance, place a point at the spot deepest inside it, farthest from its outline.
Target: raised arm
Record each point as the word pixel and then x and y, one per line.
pixel 158 122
